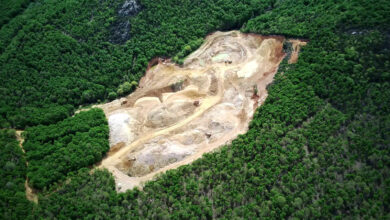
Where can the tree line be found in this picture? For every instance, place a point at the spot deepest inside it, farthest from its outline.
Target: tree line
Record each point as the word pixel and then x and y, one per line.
pixel 13 202
pixel 56 56
pixel 55 150
pixel 316 149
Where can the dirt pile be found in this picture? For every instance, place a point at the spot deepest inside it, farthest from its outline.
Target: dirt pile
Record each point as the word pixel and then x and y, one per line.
pixel 179 113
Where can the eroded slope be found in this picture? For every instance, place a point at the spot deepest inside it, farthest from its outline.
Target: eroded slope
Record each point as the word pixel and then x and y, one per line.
pixel 179 113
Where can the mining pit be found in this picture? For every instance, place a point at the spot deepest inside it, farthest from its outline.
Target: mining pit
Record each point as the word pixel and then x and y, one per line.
pixel 178 113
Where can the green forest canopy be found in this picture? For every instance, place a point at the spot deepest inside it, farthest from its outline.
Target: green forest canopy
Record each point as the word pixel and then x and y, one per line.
pixel 57 55
pixel 13 202
pixel 57 149
pixel 318 148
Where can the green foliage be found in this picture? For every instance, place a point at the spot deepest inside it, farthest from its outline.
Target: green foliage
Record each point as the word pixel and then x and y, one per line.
pixel 53 56
pixel 55 150
pixel 9 9
pixel 57 53
pixel 93 189
pixel 126 88
pixel 316 149
pixel 13 202
pixel 112 95
pixel 186 50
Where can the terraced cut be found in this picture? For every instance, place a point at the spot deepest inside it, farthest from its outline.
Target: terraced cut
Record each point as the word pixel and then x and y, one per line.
pixel 178 113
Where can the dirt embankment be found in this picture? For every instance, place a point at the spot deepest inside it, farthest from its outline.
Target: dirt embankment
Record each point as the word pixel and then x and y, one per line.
pixel 296 48
pixel 179 113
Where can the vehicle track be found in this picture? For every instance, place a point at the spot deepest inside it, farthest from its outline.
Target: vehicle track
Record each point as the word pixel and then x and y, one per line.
pixel 219 78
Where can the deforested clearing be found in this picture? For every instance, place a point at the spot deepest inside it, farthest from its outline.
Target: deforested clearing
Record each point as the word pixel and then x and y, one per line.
pixel 178 113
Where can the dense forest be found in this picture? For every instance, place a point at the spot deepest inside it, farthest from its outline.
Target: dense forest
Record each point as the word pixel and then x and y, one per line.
pixel 9 9
pixel 13 202
pixel 57 149
pixel 318 148
pixel 57 55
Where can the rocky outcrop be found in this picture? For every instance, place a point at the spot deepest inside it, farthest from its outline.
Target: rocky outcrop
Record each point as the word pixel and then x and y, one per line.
pixel 120 29
pixel 129 8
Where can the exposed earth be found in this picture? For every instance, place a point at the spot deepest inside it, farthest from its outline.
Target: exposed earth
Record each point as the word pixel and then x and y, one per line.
pixel 30 192
pixel 178 113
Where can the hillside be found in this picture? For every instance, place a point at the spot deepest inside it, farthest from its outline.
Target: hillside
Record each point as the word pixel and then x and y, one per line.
pixel 318 147
pixel 178 113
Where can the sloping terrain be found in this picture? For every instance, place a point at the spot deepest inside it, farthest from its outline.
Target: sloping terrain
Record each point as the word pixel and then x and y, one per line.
pixel 30 194
pixel 178 113
pixel 317 148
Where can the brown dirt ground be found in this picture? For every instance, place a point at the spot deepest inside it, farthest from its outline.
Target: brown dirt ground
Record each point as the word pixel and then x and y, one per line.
pixel 30 192
pixel 156 129
pixel 297 45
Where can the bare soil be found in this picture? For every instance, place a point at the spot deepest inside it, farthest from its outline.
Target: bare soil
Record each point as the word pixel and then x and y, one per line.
pixel 297 45
pixel 178 113
pixel 30 193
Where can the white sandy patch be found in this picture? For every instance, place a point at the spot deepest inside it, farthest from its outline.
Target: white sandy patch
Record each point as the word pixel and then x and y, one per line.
pixel 120 128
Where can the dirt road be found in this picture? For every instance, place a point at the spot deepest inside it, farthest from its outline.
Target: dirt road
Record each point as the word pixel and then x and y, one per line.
pixel 30 195
pixel 178 113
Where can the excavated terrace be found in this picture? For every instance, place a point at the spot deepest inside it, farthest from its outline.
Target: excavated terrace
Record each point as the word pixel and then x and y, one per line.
pixel 178 113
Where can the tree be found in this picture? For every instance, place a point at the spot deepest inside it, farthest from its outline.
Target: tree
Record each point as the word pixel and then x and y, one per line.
pixel 112 95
